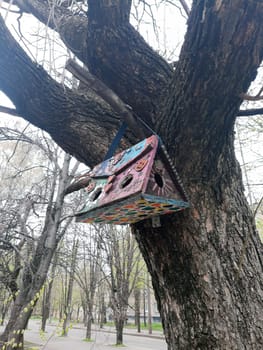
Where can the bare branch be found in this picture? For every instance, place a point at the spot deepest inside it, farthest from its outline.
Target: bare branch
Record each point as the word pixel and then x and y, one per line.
pixel 251 98
pixel 260 92
pixel 257 207
pixel 10 111
pixel 184 5
pixel 47 13
pixel 71 27
pixel 106 93
pixel 249 112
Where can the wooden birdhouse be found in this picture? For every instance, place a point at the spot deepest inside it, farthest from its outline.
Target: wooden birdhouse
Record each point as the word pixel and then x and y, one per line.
pixel 133 185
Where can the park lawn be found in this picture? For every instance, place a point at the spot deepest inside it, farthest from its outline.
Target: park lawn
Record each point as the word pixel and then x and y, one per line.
pixel 156 326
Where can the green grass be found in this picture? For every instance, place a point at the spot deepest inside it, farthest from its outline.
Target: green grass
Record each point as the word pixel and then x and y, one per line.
pixel 88 340
pixel 31 346
pixel 36 317
pixel 156 326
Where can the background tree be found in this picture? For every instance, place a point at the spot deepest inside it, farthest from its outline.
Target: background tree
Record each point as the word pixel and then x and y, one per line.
pixel 88 275
pixel 30 272
pixel 46 299
pixel 137 307
pixel 121 269
pixel 69 287
pixel 207 285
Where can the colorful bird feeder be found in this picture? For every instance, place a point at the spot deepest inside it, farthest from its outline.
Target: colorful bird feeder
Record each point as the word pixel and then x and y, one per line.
pixel 133 185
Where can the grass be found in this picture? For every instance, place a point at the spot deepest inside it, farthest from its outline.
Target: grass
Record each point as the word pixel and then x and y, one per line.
pixel 36 317
pixel 88 340
pixel 119 345
pixel 31 346
pixel 156 326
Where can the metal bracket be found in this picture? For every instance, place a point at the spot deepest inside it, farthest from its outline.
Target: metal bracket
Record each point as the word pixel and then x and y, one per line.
pixel 156 221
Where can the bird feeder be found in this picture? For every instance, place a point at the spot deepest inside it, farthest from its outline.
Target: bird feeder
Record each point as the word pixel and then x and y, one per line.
pixel 132 186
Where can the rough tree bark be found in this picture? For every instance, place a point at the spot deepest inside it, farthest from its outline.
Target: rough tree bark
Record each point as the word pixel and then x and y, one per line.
pixel 205 262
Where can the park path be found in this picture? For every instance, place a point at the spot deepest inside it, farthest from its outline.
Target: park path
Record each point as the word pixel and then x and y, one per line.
pixel 101 339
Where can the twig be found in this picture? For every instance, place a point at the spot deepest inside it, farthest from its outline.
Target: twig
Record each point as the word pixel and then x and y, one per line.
pixel 184 5
pixel 249 112
pixel 11 111
pixel 251 98
pixel 257 207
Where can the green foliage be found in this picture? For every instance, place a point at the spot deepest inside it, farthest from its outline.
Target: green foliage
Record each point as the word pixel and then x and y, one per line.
pixel 156 326
pixel 119 345
pixel 42 335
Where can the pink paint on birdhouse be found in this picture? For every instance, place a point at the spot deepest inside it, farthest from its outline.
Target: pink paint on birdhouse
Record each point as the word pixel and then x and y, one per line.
pixel 133 185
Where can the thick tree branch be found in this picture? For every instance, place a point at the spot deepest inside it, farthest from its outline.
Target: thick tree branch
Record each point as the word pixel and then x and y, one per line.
pixel 122 59
pixel 108 12
pixel 204 100
pixel 185 7
pixel 106 94
pixel 125 55
pixel 70 118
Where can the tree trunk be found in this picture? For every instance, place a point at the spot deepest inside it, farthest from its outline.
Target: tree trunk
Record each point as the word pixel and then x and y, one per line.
pixel 119 324
pixel 84 308
pixel 89 324
pixel 137 306
pixel 68 301
pixel 102 311
pixel 144 308
pixel 14 338
pixel 78 312
pixel 45 310
pixel 5 305
pixel 46 302
pixel 207 272
pixel 89 316
pixel 149 304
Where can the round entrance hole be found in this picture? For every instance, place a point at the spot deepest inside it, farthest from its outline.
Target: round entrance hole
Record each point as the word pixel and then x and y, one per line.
pixel 96 194
pixel 126 181
pixel 159 180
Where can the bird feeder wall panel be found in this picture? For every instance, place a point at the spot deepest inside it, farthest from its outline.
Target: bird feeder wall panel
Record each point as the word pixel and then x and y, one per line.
pixel 132 186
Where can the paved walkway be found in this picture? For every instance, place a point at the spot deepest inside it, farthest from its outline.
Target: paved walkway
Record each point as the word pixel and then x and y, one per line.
pixel 101 339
